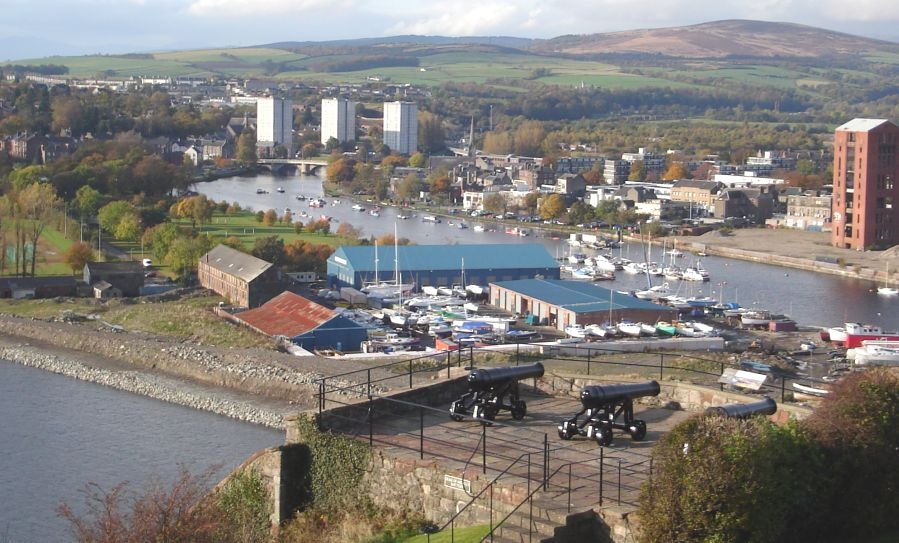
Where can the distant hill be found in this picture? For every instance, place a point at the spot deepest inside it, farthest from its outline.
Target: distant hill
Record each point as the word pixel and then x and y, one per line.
pixel 720 39
pixel 499 41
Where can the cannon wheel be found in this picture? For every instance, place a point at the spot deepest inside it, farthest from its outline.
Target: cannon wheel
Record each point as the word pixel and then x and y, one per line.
pixel 519 409
pixel 456 411
pixel 567 429
pixel 484 413
pixel 603 434
pixel 637 430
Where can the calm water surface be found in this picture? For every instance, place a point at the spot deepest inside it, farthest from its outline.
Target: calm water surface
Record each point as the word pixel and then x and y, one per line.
pixel 57 433
pixel 810 298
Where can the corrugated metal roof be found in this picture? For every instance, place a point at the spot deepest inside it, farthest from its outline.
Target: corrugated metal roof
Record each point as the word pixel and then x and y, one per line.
pixel 861 125
pixel 577 296
pixel 287 314
pixel 414 258
pixel 236 263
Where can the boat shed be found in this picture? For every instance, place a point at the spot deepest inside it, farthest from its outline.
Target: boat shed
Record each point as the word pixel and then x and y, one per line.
pixel 304 323
pixel 440 265
pixel 560 303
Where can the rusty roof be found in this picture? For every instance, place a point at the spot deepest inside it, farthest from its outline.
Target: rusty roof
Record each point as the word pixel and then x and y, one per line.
pixel 287 314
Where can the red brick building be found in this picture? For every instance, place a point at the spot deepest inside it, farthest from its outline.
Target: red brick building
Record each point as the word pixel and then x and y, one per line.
pixel 865 193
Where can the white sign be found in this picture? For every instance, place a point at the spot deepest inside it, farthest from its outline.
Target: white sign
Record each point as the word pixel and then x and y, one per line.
pixel 457 483
pixel 340 260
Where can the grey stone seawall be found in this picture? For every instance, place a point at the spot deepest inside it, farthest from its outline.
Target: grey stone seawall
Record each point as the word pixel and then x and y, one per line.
pixel 153 386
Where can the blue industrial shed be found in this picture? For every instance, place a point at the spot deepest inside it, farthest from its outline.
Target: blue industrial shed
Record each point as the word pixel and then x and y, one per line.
pixel 440 265
pixel 562 303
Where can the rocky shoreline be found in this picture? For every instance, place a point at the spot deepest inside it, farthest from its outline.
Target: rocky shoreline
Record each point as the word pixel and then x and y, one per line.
pixel 152 386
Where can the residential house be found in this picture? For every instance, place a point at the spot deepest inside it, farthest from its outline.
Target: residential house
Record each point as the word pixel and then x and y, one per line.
pixel 700 195
pixel 753 204
pixel 127 277
pixel 809 211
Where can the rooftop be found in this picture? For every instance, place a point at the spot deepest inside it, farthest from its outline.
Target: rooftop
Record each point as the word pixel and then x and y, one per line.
pixel 236 263
pixel 446 257
pixel 287 314
pixel 862 125
pixel 578 296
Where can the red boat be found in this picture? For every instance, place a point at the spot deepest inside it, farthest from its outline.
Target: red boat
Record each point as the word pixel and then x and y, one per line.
pixel 857 332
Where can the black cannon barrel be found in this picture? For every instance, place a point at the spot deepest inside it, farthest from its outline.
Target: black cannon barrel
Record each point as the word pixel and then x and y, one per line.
pixel 766 406
pixel 598 395
pixel 484 378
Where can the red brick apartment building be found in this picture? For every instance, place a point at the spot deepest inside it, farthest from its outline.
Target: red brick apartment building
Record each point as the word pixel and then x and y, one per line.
pixel 865 193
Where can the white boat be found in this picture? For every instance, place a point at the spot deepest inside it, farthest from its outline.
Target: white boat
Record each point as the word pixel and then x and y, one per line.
pixel 439 328
pixel 430 218
pixel 634 267
pixel 632 329
pixel 653 293
pixel 686 329
pixel 402 217
pixel 648 329
pixel 575 331
pixel 694 273
pixel 875 353
pixel 672 272
pixel 374 213
pixel 704 329
pixel 886 289
pixel 811 391
pixel 445 291
pixel 478 228
pixel 429 290
pixel 358 207
pixel 475 289
pixel 586 274
pixel 603 263
pixel 756 318
pixel 472 307
pixel 837 334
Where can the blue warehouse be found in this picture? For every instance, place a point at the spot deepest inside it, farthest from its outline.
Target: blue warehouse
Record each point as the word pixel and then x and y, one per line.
pixel 440 265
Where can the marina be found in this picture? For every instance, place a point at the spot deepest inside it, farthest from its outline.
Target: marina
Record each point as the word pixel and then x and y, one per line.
pixel 808 298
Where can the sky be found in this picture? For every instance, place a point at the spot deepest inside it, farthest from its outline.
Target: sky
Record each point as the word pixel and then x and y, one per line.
pixel 39 28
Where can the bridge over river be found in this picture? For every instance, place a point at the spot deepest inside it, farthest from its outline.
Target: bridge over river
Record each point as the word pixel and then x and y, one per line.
pixel 305 165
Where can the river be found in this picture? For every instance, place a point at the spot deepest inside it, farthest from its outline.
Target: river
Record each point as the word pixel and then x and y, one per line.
pixel 810 298
pixel 57 434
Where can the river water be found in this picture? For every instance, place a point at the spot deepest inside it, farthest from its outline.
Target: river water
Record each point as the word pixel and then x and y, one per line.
pixel 811 299
pixel 57 434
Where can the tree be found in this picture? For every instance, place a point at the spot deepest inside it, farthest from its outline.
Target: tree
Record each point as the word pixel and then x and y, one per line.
pixel 348 231
pixel 638 173
pixel 675 171
pixel 552 206
pixel 270 249
pixel 159 239
pixel 87 202
pixel 594 176
pixel 128 229
pixel 498 143
pixel 270 217
pixel 246 148
pixel 39 205
pixel 77 255
pixel 410 187
pixel 185 252
pixel 494 202
pixel 580 213
pixel 528 139
pixel 341 170
pixel 530 202
pixel 309 150
pixel 440 188
pixel 418 160
pixel 431 138
pixel 112 213
pixel 390 163
pixel 197 208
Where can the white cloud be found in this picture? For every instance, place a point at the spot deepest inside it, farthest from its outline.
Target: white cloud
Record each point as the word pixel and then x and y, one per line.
pixel 462 19
pixel 243 8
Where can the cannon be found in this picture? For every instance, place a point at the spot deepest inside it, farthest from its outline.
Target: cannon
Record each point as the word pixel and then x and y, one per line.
pixel 603 405
pixel 767 406
pixel 487 389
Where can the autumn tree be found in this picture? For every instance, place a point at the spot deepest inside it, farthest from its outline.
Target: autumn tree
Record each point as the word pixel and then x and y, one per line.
pixel 87 202
pixel 39 205
pixel 552 206
pixel 391 162
pixel 77 255
pixel 675 171
pixel 530 202
pixel 197 208
pixel 498 143
pixel 431 137
pixel 418 160
pixel 348 231
pixel 528 139
pixel 494 202
pixel 341 170
pixel 270 217
pixel 409 187
pixel 638 172
pixel 185 252
pixel 270 249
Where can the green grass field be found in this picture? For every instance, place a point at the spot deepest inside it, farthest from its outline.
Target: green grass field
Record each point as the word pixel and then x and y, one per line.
pixel 471 534
pixel 245 227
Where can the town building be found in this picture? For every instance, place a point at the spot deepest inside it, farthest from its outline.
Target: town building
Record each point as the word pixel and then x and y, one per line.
pixel 561 303
pixel 246 281
pixel 304 323
pixel 274 123
pixel 439 265
pixel 699 195
pixel 809 211
pixel 401 127
pixel 616 172
pixel 864 185
pixel 338 120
